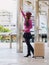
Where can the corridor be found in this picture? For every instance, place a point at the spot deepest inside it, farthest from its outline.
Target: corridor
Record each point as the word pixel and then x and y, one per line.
pixel 11 57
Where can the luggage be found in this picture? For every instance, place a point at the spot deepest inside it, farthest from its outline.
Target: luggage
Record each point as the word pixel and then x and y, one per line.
pixel 39 49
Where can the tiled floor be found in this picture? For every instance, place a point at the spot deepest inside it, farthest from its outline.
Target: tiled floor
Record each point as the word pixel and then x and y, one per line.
pixel 11 57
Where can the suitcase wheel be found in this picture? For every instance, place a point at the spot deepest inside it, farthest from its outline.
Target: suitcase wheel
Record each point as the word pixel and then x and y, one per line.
pixel 43 57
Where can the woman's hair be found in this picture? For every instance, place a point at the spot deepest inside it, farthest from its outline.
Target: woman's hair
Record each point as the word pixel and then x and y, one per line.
pixel 28 14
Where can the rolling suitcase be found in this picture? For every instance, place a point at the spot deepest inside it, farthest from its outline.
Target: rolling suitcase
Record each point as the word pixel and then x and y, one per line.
pixel 39 49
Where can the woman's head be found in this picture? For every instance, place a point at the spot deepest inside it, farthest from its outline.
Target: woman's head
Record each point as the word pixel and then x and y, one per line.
pixel 28 14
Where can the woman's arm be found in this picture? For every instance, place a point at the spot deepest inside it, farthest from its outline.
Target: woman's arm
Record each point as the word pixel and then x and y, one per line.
pixel 22 13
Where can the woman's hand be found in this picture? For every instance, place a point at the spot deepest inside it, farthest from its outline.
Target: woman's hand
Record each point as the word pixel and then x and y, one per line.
pixel 21 8
pixel 22 30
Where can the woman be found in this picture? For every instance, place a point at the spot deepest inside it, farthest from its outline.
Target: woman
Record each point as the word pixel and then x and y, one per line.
pixel 27 35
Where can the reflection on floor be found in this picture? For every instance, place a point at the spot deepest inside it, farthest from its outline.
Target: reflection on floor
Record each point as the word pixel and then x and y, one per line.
pixel 11 57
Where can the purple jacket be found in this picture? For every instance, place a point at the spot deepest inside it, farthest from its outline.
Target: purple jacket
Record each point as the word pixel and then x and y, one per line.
pixel 27 29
